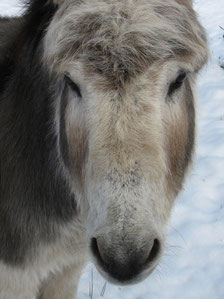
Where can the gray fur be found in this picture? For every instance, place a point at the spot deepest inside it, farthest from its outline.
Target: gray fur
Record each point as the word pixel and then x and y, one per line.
pixel 93 147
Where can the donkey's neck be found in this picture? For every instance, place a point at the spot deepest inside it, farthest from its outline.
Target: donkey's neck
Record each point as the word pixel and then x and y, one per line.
pixel 30 176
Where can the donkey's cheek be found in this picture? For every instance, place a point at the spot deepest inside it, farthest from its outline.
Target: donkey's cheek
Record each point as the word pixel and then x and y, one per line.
pixel 76 140
pixel 180 142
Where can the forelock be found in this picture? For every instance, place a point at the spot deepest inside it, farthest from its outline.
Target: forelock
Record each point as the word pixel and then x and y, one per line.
pixel 120 39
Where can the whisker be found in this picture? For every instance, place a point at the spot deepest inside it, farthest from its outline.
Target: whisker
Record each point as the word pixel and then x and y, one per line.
pixel 178 233
pixel 103 290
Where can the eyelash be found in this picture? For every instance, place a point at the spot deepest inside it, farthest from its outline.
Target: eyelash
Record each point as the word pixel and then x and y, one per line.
pixel 74 87
pixel 177 83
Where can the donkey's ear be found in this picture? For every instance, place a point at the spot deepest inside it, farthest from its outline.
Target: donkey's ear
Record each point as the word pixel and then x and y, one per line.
pixel 187 3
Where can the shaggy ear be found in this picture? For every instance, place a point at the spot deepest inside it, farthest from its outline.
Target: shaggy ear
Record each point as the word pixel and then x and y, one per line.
pixel 187 3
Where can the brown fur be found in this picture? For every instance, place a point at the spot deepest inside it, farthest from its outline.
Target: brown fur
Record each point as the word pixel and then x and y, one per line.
pixel 180 136
pixel 77 150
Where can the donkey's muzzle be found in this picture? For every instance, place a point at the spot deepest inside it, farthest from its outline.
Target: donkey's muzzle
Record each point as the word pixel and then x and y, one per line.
pixel 124 263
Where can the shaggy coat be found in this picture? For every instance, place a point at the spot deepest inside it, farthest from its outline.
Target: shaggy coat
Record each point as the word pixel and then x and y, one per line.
pixel 96 136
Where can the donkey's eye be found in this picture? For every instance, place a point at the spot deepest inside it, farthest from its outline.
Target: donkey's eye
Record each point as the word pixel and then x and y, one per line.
pixel 74 87
pixel 177 83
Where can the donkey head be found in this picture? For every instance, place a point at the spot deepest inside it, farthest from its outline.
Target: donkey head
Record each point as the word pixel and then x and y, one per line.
pixel 125 115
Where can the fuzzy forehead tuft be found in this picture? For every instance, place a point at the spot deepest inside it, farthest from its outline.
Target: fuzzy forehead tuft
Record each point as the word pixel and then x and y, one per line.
pixel 120 39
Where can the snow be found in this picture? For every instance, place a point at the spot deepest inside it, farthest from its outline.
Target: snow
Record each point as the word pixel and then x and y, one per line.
pixel 193 265
pixel 10 7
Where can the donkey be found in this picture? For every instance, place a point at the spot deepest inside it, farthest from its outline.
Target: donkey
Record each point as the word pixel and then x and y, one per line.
pixel 97 126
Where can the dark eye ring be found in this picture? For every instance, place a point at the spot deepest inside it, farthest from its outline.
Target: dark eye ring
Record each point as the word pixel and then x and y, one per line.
pixel 74 87
pixel 177 83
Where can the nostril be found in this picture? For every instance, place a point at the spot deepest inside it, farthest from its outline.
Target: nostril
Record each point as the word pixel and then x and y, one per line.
pixel 94 246
pixel 125 262
pixel 154 251
pixel 95 250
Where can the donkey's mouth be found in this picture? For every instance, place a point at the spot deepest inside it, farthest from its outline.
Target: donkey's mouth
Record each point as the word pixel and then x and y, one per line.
pixel 130 270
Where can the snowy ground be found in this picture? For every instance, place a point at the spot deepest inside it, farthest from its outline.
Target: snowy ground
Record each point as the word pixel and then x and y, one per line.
pixel 193 266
